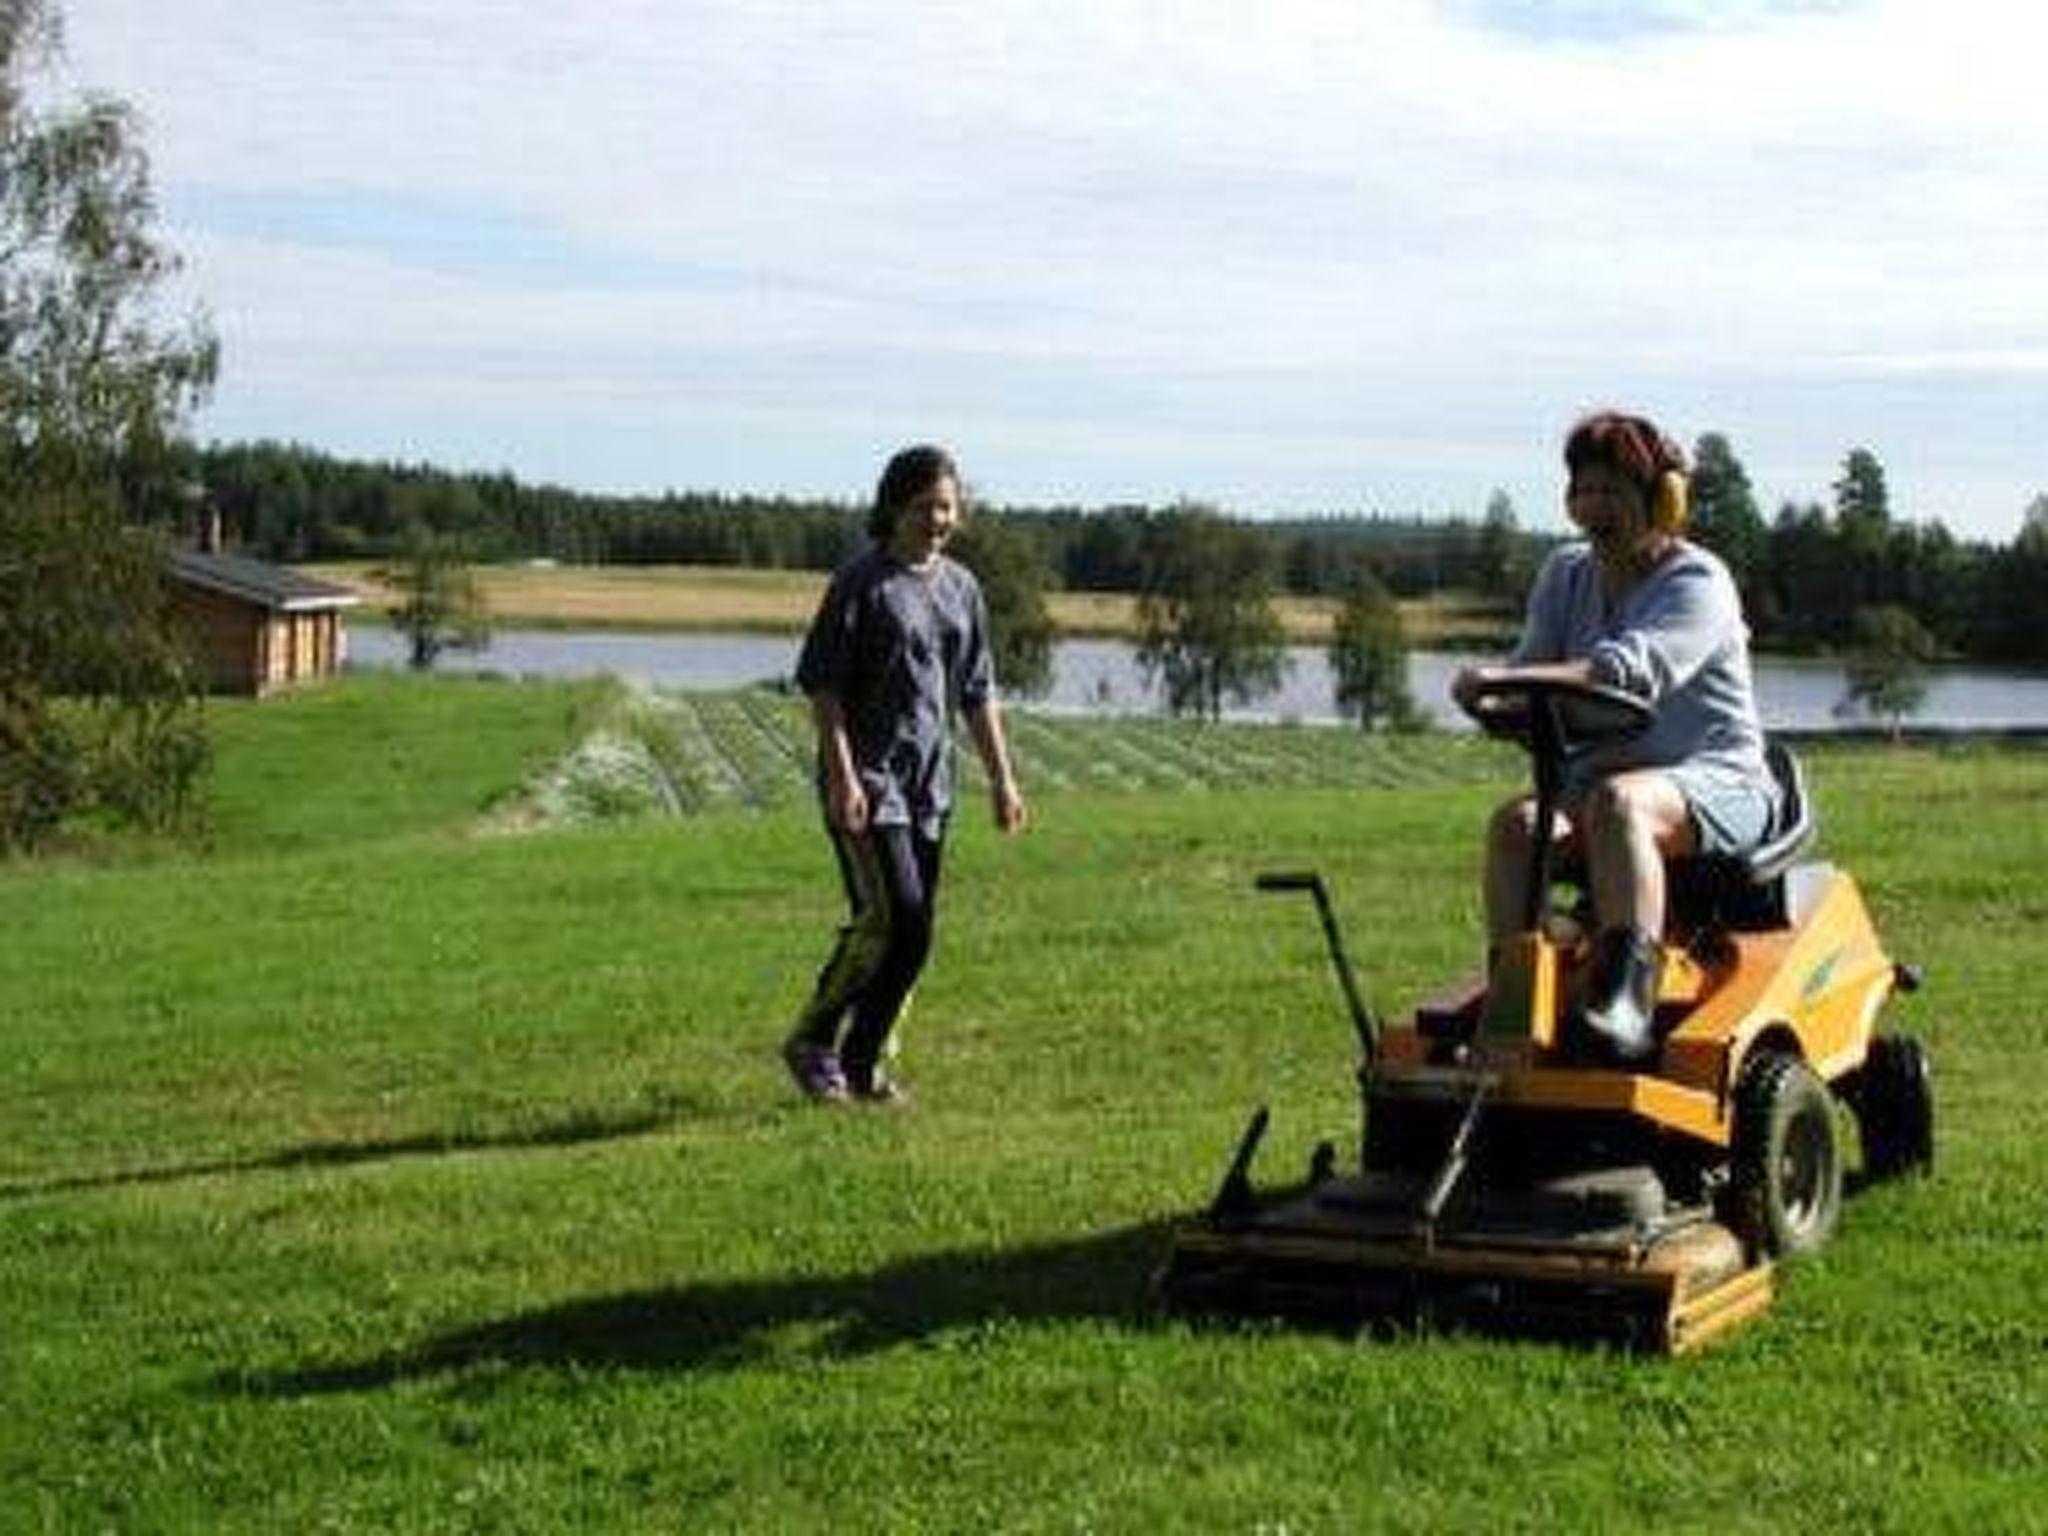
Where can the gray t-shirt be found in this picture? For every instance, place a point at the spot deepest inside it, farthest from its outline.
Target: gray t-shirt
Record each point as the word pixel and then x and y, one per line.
pixel 1677 640
pixel 901 649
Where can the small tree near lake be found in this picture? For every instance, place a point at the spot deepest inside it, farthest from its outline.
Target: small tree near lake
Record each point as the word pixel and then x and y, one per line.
pixel 1887 669
pixel 1207 627
pixel 1369 657
pixel 1012 574
pixel 439 605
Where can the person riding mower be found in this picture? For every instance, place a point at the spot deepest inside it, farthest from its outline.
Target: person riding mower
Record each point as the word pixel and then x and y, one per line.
pixel 1514 1173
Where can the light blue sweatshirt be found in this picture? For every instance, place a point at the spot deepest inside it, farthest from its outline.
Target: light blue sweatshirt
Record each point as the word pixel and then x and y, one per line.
pixel 1677 640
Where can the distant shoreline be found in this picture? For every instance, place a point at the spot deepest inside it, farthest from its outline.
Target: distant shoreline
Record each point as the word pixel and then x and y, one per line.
pixel 688 599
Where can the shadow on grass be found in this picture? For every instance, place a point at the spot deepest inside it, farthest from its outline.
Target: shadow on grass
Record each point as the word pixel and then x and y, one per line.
pixel 1101 1277
pixel 570 1129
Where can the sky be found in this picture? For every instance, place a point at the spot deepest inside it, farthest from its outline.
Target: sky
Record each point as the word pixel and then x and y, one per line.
pixel 1292 257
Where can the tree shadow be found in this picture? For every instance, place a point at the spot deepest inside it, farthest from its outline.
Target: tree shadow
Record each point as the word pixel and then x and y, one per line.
pixel 725 1325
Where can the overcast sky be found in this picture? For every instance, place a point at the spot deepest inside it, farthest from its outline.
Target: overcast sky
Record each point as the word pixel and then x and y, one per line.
pixel 1283 256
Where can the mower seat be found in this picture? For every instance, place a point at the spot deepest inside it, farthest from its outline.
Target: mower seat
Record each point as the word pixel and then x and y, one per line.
pixel 1760 889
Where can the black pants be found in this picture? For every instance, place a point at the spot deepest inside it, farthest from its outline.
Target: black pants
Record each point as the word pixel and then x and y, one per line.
pixel 891 876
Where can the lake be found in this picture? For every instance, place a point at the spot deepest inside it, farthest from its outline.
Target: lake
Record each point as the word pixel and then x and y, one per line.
pixel 1102 676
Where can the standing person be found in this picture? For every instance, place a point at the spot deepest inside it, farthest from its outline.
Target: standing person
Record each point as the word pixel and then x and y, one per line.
pixel 899 642
pixel 1634 606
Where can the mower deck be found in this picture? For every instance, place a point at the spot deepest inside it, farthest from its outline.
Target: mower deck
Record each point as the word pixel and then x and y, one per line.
pixel 1589 1256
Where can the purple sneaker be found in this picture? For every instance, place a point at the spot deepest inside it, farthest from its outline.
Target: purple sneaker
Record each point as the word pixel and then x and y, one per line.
pixel 816 1070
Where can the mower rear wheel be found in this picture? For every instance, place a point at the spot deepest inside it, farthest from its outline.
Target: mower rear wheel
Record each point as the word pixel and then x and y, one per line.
pixel 1785 1176
pixel 1894 1103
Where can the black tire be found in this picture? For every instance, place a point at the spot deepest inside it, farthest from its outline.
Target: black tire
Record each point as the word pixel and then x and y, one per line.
pixel 1785 1169
pixel 1894 1103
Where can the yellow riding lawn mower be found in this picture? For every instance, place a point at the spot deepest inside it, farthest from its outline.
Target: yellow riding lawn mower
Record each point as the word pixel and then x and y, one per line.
pixel 1511 1180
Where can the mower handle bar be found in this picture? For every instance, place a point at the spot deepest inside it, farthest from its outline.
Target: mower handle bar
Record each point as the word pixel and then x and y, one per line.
pixel 1362 1018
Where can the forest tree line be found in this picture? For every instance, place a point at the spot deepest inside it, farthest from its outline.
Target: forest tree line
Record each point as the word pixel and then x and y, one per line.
pixel 1806 572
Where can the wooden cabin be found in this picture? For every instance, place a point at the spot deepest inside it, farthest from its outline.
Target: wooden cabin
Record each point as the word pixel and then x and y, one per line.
pixel 258 627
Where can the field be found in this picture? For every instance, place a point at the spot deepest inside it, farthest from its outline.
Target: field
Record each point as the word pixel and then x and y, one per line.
pixel 672 597
pixel 416 1157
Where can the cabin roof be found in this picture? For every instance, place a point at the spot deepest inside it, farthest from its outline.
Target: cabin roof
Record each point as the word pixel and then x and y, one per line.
pixel 258 581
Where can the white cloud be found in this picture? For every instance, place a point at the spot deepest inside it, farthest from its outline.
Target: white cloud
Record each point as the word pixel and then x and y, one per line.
pixel 1310 253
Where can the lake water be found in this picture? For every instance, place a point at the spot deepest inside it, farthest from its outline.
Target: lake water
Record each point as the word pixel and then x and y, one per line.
pixel 1102 676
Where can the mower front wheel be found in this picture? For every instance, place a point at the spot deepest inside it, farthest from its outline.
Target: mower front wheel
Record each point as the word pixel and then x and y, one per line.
pixel 1785 1177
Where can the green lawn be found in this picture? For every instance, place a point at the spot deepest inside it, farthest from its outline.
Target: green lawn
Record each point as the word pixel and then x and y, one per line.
pixel 387 1170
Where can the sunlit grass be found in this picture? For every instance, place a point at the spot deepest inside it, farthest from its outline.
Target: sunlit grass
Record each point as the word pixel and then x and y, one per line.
pixel 436 1181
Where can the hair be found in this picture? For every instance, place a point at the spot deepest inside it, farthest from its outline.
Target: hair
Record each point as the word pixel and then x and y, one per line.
pixel 1635 446
pixel 909 474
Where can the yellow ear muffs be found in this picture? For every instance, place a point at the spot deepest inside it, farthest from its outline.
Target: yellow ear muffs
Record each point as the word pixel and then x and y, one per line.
pixel 1668 508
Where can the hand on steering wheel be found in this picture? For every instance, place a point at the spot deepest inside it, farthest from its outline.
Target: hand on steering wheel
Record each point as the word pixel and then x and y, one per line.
pixel 1505 702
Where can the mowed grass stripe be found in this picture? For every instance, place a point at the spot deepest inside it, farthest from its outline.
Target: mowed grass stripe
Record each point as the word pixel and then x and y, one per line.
pixel 753 747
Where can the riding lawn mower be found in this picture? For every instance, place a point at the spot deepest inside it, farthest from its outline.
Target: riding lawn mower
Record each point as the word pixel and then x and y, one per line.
pixel 1509 1179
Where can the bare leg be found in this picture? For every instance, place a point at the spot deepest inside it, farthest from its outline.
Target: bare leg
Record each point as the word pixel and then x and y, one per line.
pixel 1634 822
pixel 1508 840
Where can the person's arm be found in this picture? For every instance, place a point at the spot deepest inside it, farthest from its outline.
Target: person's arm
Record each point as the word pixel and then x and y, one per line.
pixel 1688 615
pixel 975 692
pixel 985 723
pixel 846 800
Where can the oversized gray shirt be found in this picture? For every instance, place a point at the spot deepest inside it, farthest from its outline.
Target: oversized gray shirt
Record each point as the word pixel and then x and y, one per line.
pixel 1677 640
pixel 901 649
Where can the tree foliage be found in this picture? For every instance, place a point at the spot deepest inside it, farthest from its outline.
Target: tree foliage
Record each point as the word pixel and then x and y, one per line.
pixel 1803 574
pixel 99 711
pixel 438 605
pixel 1208 631
pixel 1887 668
pixel 1503 557
pixel 1012 577
pixel 1369 657
pixel 1863 505
pixel 2007 623
pixel 1725 517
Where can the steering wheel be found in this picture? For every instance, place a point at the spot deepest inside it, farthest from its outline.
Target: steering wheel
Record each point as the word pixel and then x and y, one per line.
pixel 1553 719
pixel 1580 714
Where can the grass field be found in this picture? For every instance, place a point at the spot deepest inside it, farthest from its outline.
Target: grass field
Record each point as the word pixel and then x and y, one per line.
pixel 697 597
pixel 383 1168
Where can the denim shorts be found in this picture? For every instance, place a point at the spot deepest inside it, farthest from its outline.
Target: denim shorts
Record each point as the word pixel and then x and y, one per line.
pixel 1733 811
